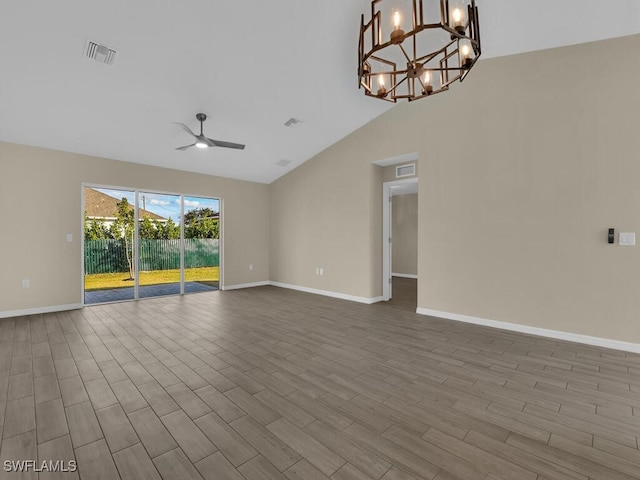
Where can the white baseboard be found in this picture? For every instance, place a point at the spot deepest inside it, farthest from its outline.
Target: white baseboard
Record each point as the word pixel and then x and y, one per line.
pixel 37 310
pixel 404 275
pixel 326 293
pixel 245 285
pixel 542 332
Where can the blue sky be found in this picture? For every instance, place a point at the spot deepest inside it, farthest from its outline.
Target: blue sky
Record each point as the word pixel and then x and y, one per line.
pixel 167 206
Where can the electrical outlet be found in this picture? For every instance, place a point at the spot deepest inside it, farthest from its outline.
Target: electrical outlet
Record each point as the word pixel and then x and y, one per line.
pixel 69 237
pixel 317 271
pixel 251 266
pixel 26 283
pixel 321 271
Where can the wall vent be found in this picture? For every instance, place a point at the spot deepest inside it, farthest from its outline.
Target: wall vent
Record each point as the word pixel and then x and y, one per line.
pixel 100 53
pixel 406 170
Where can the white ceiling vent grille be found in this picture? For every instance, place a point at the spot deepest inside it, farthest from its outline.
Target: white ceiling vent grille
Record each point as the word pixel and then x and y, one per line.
pixel 100 53
pixel 406 170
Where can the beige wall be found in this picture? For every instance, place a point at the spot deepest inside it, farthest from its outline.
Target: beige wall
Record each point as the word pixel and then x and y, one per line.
pixel 308 211
pixel 404 231
pixel 523 168
pixel 517 231
pixel 40 201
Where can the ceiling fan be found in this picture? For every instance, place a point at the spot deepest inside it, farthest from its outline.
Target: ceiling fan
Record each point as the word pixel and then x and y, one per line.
pixel 202 141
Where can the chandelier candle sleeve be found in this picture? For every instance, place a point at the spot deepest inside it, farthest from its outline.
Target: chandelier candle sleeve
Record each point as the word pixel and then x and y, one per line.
pixel 397 35
pixel 382 90
pixel 458 18
pixel 426 83
pixel 465 54
pixel 411 49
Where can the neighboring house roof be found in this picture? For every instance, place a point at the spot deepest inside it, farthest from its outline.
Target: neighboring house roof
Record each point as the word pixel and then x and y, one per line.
pixel 101 205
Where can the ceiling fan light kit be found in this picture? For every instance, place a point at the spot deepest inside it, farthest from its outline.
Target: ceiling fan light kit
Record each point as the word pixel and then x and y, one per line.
pixel 410 51
pixel 205 142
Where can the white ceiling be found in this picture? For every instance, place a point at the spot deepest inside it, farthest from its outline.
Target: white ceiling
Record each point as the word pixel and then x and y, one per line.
pixel 249 65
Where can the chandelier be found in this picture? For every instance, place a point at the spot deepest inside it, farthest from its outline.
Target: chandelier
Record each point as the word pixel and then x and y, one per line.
pixel 411 52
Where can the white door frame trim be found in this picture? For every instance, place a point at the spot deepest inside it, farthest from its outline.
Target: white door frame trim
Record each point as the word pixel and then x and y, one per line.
pixel 386 233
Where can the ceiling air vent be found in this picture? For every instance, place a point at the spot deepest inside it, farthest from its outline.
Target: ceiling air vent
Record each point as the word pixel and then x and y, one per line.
pixel 100 53
pixel 292 122
pixel 406 170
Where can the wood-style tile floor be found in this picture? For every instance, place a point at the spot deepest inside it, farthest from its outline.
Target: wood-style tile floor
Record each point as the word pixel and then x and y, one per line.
pixel 267 383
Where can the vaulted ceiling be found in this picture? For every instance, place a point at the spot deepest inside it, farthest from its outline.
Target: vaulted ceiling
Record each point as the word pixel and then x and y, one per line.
pixel 250 66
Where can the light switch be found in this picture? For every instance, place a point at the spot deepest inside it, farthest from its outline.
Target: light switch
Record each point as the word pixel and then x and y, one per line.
pixel 69 237
pixel 627 239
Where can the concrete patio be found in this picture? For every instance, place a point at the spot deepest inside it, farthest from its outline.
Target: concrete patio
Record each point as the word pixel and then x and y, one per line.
pixel 146 291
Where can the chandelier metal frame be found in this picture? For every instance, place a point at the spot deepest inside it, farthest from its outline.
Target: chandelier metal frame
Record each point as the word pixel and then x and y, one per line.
pixel 451 61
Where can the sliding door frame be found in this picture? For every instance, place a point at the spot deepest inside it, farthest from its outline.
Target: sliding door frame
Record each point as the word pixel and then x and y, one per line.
pixel 136 243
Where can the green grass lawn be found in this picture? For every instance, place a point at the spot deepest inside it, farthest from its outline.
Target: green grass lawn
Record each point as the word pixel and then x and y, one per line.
pixel 107 281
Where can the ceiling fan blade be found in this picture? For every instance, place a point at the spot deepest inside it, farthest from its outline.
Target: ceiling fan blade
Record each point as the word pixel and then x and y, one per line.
pixel 218 143
pixel 185 128
pixel 186 146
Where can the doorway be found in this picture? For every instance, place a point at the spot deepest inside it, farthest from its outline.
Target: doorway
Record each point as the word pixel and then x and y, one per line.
pixel 141 244
pixel 399 254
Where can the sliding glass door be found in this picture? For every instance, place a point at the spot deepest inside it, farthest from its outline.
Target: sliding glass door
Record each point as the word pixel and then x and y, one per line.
pixel 108 245
pixel 140 244
pixel 159 244
pixel 201 237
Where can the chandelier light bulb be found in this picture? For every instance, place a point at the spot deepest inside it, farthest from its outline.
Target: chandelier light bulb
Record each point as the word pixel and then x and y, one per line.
pixel 397 35
pixel 382 89
pixel 465 55
pixel 426 81
pixel 458 20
